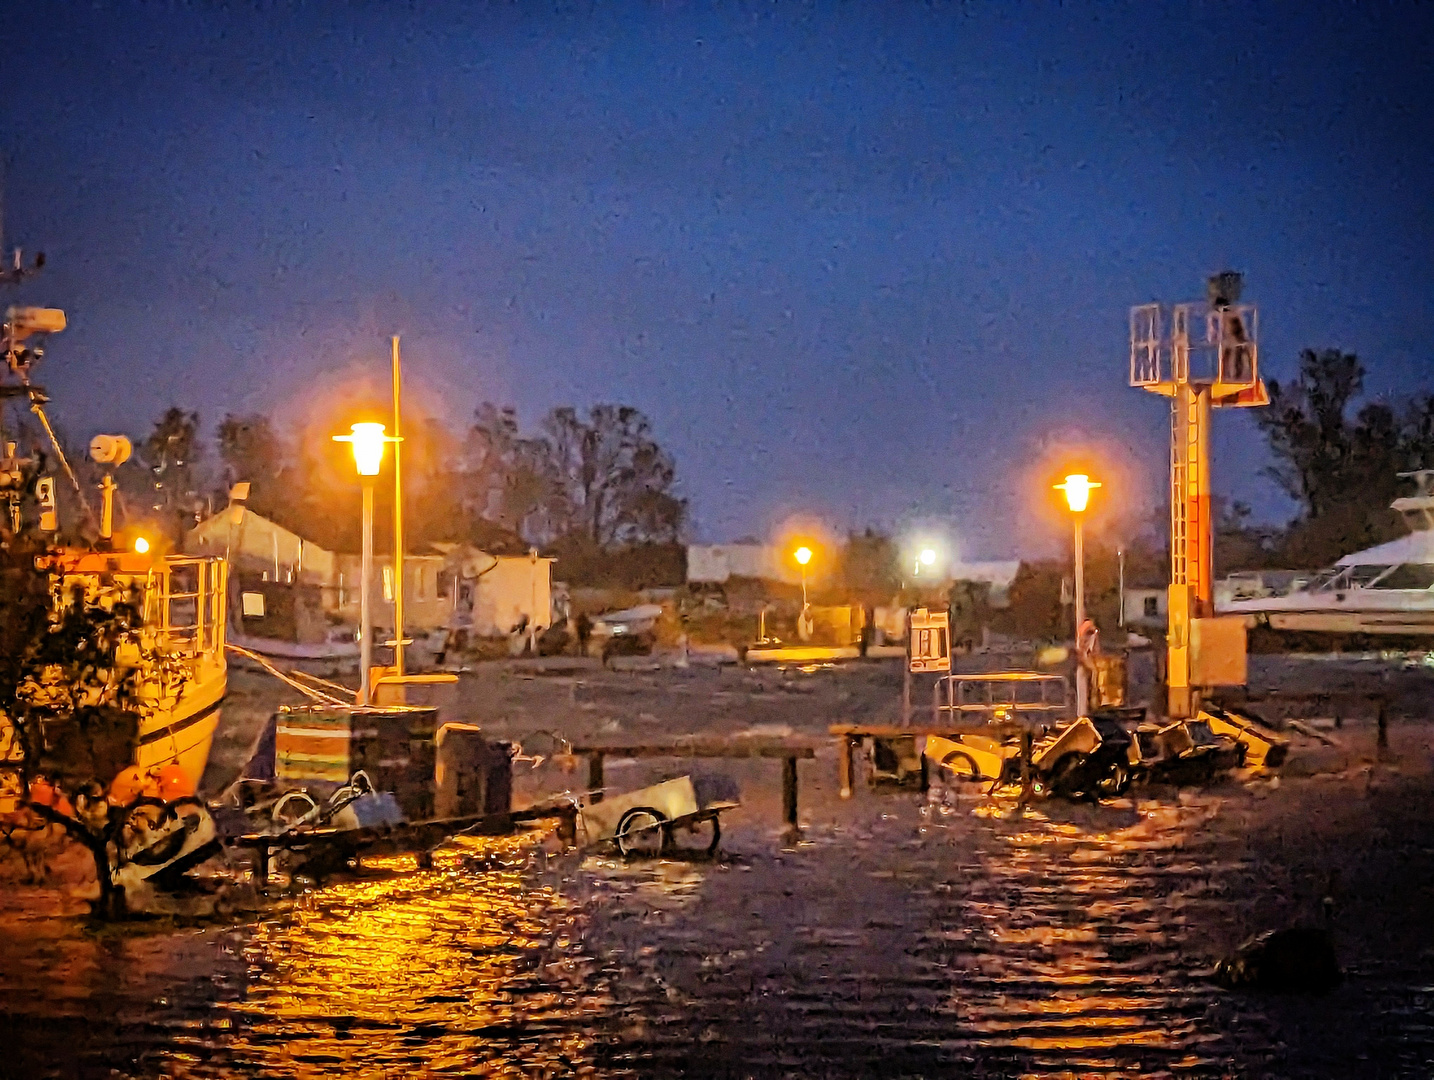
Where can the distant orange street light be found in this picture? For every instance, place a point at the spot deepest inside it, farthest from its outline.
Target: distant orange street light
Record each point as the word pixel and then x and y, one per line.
pixel 803 555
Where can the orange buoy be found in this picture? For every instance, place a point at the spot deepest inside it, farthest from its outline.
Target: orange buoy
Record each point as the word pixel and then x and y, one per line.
pixel 173 782
pixel 130 784
pixel 45 793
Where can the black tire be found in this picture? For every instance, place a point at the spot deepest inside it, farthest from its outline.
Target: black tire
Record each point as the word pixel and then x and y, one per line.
pixel 142 816
pixel 963 765
pixel 1067 778
pixel 637 829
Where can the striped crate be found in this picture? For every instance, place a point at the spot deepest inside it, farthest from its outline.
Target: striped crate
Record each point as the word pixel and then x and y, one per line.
pixel 393 745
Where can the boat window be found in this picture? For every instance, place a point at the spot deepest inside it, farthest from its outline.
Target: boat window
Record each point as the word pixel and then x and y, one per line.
pixel 1363 576
pixel 1408 576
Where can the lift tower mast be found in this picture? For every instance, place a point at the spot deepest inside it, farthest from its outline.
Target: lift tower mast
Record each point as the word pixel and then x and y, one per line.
pixel 1201 355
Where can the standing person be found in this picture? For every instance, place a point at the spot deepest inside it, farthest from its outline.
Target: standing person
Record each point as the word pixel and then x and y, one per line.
pixel 585 628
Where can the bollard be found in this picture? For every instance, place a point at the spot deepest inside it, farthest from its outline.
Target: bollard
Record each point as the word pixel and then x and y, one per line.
pixel 844 752
pixel 1383 742
pixel 789 792
pixel 595 779
pixel 1027 778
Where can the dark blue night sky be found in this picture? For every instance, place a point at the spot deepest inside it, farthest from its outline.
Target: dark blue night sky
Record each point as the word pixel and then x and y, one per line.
pixel 868 261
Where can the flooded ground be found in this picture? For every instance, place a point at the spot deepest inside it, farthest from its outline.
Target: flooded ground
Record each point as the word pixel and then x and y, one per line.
pixel 905 934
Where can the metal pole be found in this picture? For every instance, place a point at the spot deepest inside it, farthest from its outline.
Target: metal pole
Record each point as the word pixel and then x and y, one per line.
pixel 1081 695
pixel 365 587
pixel 1120 558
pixel 397 514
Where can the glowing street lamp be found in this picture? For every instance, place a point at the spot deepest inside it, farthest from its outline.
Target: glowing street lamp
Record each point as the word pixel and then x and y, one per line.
pixel 1077 488
pixel 367 442
pixel 141 545
pixel 926 557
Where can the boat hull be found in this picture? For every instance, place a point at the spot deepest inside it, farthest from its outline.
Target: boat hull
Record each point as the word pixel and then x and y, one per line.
pixel 183 734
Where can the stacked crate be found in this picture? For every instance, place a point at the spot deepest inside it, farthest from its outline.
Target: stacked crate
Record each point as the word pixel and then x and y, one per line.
pixel 329 743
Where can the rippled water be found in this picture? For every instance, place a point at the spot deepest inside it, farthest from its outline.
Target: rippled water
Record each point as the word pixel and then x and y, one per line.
pixel 905 939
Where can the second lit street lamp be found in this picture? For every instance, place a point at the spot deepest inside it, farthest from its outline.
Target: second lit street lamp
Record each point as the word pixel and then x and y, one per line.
pixel 803 555
pixel 367 441
pixel 1077 488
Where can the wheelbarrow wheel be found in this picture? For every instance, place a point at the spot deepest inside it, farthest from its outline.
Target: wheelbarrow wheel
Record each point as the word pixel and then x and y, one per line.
pixel 704 834
pixel 962 765
pixel 642 831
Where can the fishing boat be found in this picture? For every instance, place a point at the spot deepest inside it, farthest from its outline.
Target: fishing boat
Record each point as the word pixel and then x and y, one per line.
pixel 1383 595
pixel 183 675
pixel 179 654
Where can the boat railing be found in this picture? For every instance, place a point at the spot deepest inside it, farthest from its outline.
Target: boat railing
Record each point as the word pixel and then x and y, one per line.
pixel 185 604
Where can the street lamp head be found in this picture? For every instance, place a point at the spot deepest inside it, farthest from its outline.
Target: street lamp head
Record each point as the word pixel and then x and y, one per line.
pixel 141 545
pixel 803 555
pixel 928 557
pixel 1077 487
pixel 367 441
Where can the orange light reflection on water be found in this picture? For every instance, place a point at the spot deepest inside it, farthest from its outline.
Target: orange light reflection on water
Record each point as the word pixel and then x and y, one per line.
pixel 435 971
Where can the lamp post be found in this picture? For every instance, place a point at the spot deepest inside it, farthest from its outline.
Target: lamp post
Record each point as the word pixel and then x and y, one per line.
pixel 1077 488
pixel 397 514
pixel 803 555
pixel 367 441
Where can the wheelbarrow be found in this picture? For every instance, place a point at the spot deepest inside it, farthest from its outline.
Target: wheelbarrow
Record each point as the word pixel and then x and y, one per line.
pixel 646 822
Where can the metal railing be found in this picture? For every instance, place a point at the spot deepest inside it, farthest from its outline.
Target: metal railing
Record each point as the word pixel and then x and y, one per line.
pixel 188 619
pixel 1001 694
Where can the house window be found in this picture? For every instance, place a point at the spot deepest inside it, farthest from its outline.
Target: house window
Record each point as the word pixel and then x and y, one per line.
pixel 1152 607
pixel 388 582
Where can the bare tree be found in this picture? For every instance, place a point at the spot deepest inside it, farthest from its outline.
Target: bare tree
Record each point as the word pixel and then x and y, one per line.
pixel 509 478
pixel 171 452
pixel 615 484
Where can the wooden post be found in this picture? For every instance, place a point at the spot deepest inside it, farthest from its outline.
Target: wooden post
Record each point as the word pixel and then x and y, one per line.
pixel 906 676
pixel 1027 778
pixel 595 779
pixel 1383 722
pixel 789 792
pixel 844 751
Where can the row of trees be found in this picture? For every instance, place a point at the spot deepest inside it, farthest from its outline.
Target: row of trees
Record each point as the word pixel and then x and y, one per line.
pixel 594 480
pixel 1338 457
pixel 586 483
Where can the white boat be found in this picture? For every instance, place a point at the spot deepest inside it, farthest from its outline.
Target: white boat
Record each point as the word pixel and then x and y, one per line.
pixel 1384 593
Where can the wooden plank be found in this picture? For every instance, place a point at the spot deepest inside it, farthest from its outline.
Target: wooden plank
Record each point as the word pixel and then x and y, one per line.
pixel 891 731
pixel 704 748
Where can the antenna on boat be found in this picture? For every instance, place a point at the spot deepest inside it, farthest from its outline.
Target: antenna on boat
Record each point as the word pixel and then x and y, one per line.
pixel 111 450
pixel 21 324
